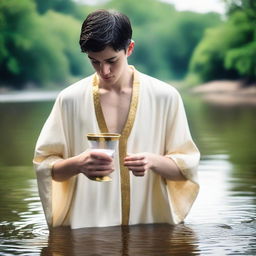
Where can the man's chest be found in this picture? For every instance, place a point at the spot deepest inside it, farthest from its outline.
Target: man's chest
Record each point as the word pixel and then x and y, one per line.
pixel 115 107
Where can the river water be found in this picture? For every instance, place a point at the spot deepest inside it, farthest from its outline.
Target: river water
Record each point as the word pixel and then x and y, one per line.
pixel 221 222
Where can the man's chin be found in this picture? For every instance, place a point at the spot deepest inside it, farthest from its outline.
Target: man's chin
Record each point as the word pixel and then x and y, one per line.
pixel 107 80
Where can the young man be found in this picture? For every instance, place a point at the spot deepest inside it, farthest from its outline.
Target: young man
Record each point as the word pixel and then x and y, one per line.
pixel 155 176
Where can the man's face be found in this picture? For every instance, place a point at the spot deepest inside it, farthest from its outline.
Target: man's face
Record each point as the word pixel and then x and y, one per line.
pixel 110 65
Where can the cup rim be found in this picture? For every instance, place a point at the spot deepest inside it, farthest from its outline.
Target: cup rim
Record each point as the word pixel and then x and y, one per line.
pixel 103 136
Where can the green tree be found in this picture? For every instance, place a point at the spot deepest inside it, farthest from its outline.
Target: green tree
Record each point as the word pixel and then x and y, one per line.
pixel 40 49
pixel 228 51
pixel 65 31
pixel 247 6
pixel 68 7
pixel 165 39
pixel 243 57
pixel 183 34
pixel 63 6
pixel 16 18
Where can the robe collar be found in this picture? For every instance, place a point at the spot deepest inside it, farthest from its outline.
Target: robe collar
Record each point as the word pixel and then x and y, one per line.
pixel 124 172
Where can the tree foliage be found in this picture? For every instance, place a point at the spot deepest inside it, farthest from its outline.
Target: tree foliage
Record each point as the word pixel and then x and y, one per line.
pixel 38 49
pixel 39 39
pixel 247 6
pixel 229 50
pixel 64 6
pixel 164 38
pixel 16 18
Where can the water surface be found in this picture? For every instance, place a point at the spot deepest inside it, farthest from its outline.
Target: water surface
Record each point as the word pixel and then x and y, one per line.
pixel 221 222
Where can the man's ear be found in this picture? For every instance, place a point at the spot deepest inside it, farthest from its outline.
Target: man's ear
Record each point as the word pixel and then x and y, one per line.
pixel 130 48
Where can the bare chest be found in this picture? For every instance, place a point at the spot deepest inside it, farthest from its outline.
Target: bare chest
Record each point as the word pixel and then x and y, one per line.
pixel 115 107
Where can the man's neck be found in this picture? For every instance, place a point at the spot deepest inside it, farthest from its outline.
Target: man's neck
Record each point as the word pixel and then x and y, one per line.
pixel 124 82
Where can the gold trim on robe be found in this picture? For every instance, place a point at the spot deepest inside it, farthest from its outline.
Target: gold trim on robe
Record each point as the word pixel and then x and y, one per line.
pixel 124 172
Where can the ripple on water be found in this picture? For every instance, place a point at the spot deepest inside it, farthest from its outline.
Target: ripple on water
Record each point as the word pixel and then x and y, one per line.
pixel 222 239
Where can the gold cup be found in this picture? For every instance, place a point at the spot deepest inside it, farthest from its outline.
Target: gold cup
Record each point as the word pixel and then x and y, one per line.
pixel 106 143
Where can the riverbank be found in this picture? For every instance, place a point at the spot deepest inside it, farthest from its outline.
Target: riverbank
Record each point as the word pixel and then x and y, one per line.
pixel 223 92
pixel 27 96
pixel 227 93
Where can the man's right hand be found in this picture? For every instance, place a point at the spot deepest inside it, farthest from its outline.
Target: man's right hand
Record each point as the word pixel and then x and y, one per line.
pixel 95 164
pixel 89 163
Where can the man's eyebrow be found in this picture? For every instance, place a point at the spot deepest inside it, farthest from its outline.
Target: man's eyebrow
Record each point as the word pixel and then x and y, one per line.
pixel 112 58
pixel 109 59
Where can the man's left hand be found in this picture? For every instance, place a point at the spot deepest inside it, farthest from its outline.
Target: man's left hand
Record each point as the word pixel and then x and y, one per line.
pixel 139 163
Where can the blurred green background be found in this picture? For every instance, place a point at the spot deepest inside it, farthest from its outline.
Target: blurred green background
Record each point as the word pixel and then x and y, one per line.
pixel 39 42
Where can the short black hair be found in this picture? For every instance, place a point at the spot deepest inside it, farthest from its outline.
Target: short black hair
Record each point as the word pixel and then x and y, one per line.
pixel 104 28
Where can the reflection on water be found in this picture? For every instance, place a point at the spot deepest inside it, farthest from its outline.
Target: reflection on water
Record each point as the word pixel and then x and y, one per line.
pixel 136 240
pixel 222 221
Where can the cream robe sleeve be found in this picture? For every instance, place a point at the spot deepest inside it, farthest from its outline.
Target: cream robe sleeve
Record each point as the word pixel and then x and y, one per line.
pixel 182 150
pixel 52 146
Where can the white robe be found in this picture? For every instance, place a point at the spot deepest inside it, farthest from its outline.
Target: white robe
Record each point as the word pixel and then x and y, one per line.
pixel 156 123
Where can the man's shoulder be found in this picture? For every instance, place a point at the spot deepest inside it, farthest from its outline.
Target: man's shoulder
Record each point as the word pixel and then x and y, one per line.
pixel 157 86
pixel 76 89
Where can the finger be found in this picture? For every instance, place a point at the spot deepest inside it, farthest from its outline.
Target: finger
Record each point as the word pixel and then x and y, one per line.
pixel 134 158
pixel 137 169
pixel 99 170
pixel 135 163
pixel 139 174
pixel 93 161
pixel 101 156
pixel 99 167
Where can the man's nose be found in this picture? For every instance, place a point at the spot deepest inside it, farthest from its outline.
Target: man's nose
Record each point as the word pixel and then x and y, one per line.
pixel 105 69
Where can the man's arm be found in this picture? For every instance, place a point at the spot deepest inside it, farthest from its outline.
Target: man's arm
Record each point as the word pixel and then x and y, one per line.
pixel 164 166
pixel 91 164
